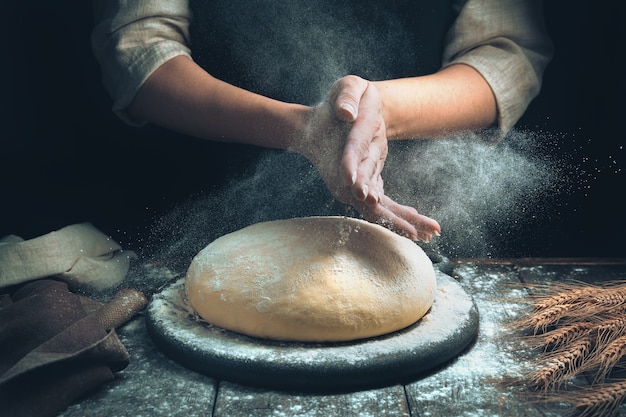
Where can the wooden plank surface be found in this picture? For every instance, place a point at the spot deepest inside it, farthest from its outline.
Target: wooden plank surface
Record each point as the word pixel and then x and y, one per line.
pixel 621 262
pixel 467 386
pixel 238 401
pixel 471 385
pixel 546 273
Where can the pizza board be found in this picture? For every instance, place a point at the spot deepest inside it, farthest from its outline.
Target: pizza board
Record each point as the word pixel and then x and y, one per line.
pixel 441 335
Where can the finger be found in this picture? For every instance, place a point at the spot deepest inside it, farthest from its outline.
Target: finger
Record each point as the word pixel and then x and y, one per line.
pixel 366 139
pixel 403 220
pixel 425 227
pixel 388 219
pixel 369 171
pixel 376 191
pixel 346 95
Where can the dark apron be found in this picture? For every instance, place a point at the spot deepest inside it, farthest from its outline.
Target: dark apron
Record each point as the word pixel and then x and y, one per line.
pixel 294 50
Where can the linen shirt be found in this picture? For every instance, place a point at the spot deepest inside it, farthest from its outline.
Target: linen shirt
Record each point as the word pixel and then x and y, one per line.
pixel 504 40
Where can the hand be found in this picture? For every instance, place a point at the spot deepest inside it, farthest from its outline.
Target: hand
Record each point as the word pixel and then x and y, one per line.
pixel 349 151
pixel 346 141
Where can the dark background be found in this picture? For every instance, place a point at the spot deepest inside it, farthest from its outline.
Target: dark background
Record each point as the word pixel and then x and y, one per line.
pixel 67 159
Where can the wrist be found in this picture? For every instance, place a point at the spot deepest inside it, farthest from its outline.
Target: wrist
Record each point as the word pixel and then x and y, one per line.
pixel 389 101
pixel 297 137
pixel 281 125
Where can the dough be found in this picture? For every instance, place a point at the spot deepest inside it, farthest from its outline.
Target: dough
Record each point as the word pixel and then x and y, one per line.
pixel 312 279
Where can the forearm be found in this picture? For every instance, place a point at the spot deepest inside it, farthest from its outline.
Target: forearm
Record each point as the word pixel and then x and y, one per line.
pixel 181 96
pixel 454 100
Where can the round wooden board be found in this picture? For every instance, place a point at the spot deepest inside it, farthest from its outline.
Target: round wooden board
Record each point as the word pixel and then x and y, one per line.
pixel 441 335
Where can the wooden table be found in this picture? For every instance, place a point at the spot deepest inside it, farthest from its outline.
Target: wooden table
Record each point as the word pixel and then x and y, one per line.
pixel 154 385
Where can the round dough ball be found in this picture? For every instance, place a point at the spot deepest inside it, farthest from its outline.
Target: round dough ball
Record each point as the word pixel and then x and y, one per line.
pixel 312 279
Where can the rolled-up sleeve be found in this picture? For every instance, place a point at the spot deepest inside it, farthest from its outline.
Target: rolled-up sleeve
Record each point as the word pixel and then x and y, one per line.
pixel 507 43
pixel 131 39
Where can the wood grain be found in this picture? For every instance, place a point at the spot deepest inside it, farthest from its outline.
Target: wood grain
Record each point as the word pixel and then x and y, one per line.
pixel 238 401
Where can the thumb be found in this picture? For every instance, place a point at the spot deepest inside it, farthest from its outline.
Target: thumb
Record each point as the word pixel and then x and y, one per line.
pixel 346 94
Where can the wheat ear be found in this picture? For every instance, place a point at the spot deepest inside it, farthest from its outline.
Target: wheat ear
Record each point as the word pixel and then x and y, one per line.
pixel 541 321
pixel 600 400
pixel 570 295
pixel 563 335
pixel 610 296
pixel 561 365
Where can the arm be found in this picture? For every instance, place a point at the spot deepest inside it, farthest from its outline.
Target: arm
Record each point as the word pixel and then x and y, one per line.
pixel 181 96
pixel 450 101
pixel 493 63
pixel 507 43
pixel 495 55
pixel 148 71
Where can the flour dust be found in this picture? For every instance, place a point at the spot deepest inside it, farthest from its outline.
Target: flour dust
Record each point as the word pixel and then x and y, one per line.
pixel 486 197
pixel 282 185
pixel 483 195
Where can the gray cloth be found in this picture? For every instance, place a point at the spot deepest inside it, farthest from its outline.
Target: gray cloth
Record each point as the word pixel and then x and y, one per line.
pixel 80 255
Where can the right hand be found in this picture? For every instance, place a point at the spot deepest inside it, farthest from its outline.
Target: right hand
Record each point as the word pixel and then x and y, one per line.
pixel 346 141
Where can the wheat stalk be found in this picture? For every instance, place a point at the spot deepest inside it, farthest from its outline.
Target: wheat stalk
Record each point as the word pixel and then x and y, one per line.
pixel 610 329
pixel 607 359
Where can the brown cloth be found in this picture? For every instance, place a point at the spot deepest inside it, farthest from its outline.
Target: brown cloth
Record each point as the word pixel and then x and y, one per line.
pixel 52 350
